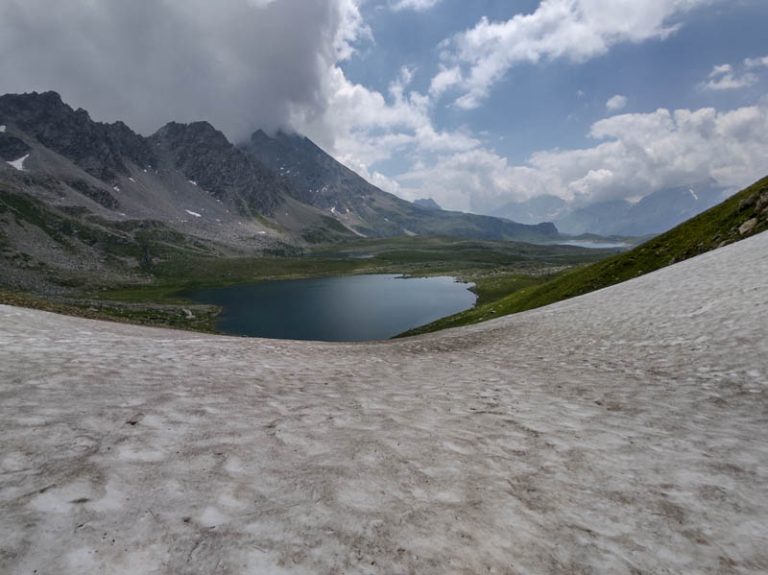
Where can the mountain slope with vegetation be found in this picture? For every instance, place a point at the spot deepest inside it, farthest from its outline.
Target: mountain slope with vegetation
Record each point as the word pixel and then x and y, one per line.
pixel 742 215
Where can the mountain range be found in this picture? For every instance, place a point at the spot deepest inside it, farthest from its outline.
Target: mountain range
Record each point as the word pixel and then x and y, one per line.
pixel 76 194
pixel 192 178
pixel 655 213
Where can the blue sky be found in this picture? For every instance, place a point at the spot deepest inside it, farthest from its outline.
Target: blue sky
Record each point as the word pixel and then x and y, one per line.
pixel 553 102
pixel 473 103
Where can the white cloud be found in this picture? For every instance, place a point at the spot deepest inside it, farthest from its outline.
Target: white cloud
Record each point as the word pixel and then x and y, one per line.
pixel 474 180
pixel 148 62
pixel 635 155
pixel 616 103
pixel 724 77
pixel 116 59
pixel 577 30
pixel 363 126
pixel 751 63
pixel 417 5
pixel 647 152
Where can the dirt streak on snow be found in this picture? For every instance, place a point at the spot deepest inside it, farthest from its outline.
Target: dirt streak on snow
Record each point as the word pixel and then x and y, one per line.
pixel 621 432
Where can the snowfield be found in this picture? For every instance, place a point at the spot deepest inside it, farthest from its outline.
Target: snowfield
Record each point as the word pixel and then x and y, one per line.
pixel 622 432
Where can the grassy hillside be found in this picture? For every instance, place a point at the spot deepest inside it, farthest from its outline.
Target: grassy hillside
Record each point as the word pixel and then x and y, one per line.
pixel 742 215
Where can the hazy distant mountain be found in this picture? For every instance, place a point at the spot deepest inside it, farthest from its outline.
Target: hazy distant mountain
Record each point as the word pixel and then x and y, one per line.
pixel 544 208
pixel 655 213
pixel 430 204
pixel 597 218
pixel 663 210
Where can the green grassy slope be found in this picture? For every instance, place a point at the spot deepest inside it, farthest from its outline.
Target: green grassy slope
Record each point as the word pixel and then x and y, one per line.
pixel 740 216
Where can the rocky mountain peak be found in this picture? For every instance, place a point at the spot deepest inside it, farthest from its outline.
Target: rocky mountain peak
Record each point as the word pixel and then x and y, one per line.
pixel 427 204
pixel 205 155
pixel 196 133
pixel 282 180
pixel 100 149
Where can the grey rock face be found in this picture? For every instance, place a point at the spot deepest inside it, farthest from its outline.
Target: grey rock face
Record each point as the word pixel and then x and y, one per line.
pixel 748 226
pixel 100 149
pixel 205 156
pixel 12 148
pixel 98 195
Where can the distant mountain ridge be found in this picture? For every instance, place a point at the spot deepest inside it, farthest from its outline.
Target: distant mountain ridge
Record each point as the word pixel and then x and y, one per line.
pixel 430 204
pixel 100 149
pixel 653 214
pixel 322 182
pixel 266 176
pixel 121 200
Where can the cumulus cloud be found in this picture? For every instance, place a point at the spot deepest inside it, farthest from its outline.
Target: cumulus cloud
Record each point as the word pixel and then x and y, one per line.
pixel 616 103
pixel 726 77
pixel 243 64
pixel 240 64
pixel 417 5
pixel 634 155
pixel 577 30
pixel 751 63
pixel 363 126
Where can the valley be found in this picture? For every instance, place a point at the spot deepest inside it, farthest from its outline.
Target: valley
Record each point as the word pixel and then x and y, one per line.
pixel 98 221
pixel 383 287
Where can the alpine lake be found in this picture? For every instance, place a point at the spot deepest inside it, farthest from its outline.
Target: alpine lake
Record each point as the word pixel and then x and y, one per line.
pixel 345 308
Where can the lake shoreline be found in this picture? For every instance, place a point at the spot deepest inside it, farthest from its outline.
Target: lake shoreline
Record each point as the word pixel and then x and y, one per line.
pixel 360 307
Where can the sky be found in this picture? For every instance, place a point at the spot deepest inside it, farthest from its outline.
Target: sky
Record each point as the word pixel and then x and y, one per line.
pixel 472 103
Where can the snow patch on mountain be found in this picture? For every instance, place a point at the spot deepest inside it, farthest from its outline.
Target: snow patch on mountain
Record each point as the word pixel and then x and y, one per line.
pixel 19 164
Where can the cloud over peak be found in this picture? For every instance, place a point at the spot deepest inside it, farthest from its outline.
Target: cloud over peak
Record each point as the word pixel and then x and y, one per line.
pixel 240 64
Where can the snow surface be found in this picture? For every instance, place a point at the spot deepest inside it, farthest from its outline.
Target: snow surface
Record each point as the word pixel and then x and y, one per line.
pixel 621 432
pixel 191 213
pixel 19 164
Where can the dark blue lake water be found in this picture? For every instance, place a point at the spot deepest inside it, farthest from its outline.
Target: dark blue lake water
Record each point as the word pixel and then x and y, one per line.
pixel 349 308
